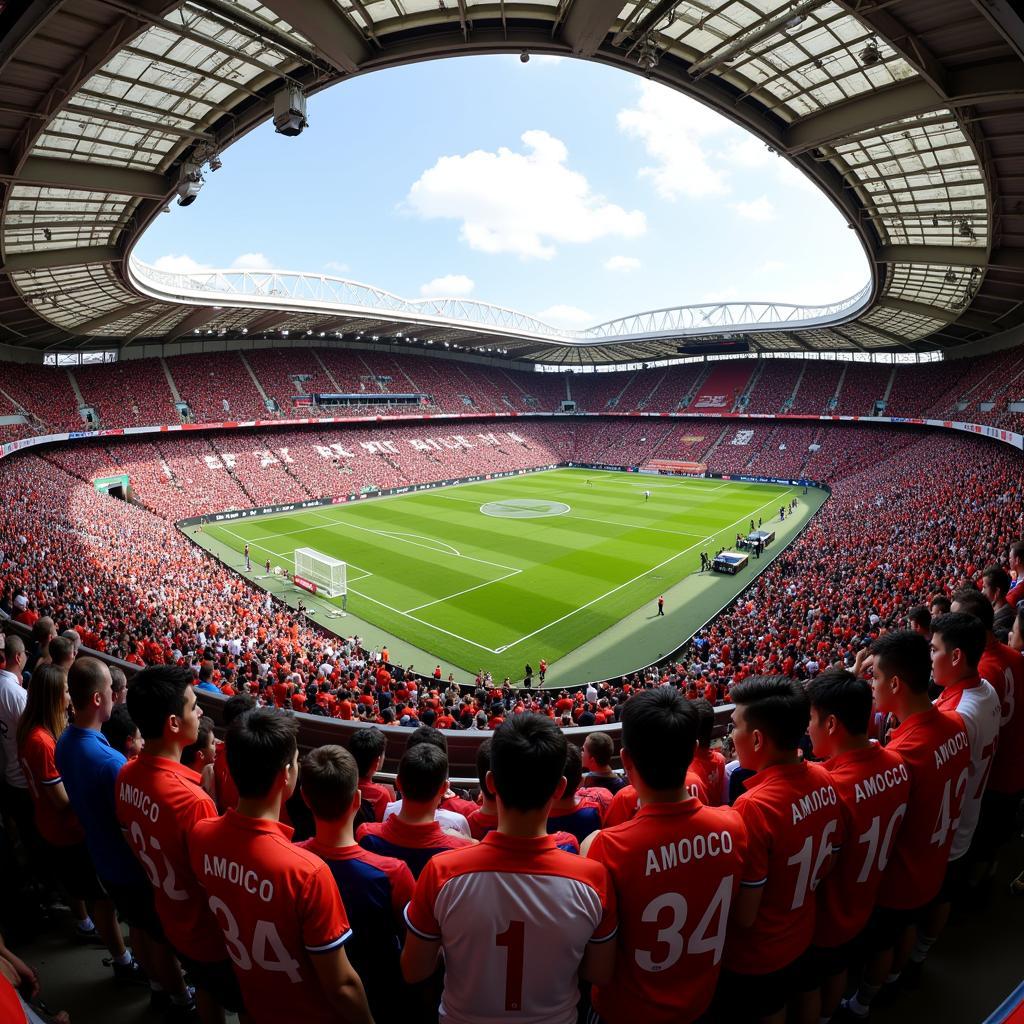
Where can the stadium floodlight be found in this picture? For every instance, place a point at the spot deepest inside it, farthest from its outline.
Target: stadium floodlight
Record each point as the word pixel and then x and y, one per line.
pixel 189 185
pixel 290 111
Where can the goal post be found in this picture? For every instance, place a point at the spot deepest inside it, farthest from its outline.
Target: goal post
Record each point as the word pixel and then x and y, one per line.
pixel 328 575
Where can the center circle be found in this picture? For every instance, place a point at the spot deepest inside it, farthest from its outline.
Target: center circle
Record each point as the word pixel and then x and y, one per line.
pixel 524 508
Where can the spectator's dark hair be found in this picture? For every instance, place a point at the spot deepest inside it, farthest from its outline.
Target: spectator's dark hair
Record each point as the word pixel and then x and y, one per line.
pixel 659 732
pixel 427 734
pixel 118 680
pixel 840 693
pixel 85 677
pixel 329 781
pixel 527 760
pixel 920 616
pixel 972 601
pixel 157 693
pixel 962 632
pixel 188 754
pixel 941 602
pixel 904 653
pixel 705 721
pixel 1017 550
pixel 259 744
pixel 997 578
pixel 483 766
pixel 422 771
pixel 573 770
pixel 776 706
pixel 600 747
pixel 235 707
pixel 59 648
pixel 119 728
pixel 366 745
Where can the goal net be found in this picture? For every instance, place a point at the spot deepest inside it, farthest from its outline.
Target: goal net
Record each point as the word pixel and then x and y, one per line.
pixel 326 573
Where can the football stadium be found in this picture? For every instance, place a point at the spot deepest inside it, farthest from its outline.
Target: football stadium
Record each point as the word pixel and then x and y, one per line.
pixel 511 511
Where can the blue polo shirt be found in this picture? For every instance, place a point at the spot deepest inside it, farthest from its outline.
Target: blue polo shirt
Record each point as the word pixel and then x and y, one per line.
pixel 88 764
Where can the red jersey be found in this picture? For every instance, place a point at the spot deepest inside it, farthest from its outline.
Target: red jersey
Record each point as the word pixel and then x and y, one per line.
pixel 57 827
pixel 709 766
pixel 1003 667
pixel 675 869
pixel 874 789
pixel 158 802
pixel 626 803
pixel 457 805
pixel 480 823
pixel 377 796
pixel 794 825
pixel 277 906
pixel 521 912
pixel 415 844
pixel 936 751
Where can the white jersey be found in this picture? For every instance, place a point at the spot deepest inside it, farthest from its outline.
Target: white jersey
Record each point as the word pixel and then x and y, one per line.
pixel 12 705
pixel 450 820
pixel 980 710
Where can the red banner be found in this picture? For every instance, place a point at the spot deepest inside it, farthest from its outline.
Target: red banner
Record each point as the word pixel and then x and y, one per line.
pixel 309 585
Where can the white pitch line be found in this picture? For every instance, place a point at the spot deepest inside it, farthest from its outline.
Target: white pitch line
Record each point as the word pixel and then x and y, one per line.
pixel 284 554
pixel 450 597
pixel 403 539
pixel 635 578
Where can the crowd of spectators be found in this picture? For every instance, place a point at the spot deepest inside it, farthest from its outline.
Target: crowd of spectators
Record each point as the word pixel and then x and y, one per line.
pixel 220 386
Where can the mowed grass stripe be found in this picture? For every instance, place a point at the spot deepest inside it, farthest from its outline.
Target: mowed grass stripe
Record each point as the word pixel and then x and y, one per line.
pixel 578 574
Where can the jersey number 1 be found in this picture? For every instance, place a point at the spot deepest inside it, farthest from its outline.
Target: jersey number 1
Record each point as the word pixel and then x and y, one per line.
pixel 513 938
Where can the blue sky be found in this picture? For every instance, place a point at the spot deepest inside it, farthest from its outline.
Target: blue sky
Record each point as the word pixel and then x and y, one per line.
pixel 560 188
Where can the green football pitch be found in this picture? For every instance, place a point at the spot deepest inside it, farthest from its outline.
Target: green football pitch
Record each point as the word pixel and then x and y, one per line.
pixel 499 573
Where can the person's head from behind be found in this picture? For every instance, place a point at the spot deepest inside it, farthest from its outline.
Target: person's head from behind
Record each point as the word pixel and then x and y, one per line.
pixel 62 652
pixel 14 654
pixel 659 736
pixel 44 629
pixel 958 642
pixel 598 749
pixel 122 733
pixel 427 734
pixel 705 721
pixel 573 770
pixel 162 702
pixel 91 692
pixel 939 605
pixel 483 768
pixel 971 601
pixel 367 747
pixel 262 753
pixel 919 619
pixel 901 668
pixel 840 711
pixel 47 703
pixel 235 707
pixel 423 775
pixel 118 685
pixel 770 719
pixel 527 763
pixel 330 783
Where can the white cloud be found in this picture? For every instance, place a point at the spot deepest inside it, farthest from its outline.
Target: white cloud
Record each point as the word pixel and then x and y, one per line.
pixel 566 316
pixel 174 264
pixel 622 264
pixel 672 129
pixel 761 209
pixel 449 285
pixel 546 59
pixel 521 203
pixel 252 261
pixel 771 267
pixel 334 267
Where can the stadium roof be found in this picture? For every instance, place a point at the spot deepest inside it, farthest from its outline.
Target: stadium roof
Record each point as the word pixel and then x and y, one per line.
pixel 909 114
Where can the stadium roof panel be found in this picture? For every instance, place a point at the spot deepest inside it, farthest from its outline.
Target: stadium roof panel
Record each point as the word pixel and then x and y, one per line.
pixel 912 129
